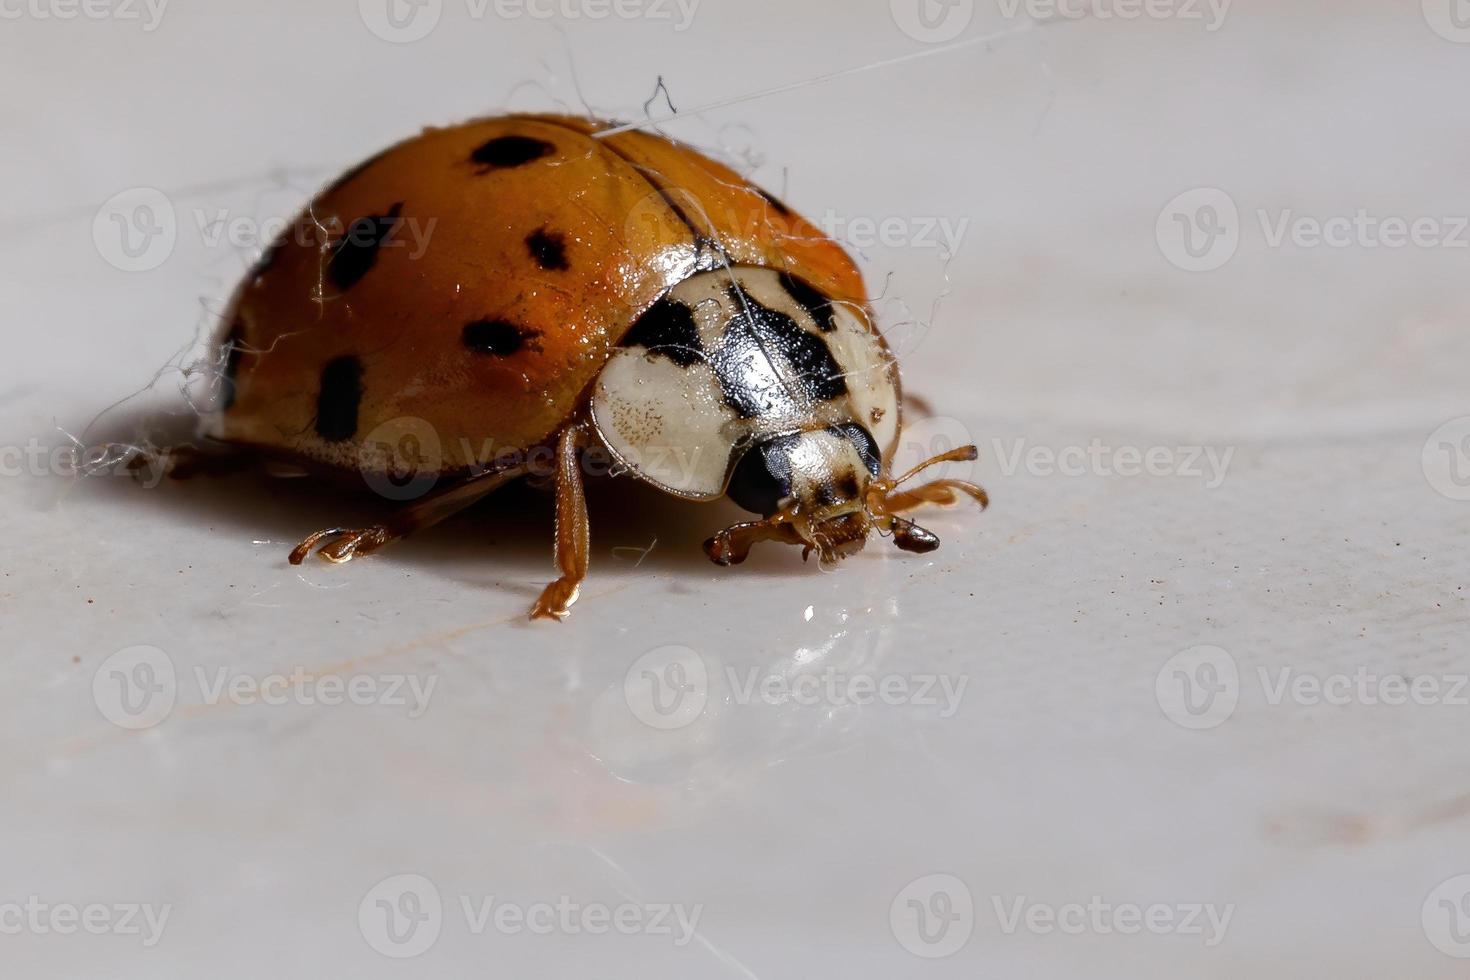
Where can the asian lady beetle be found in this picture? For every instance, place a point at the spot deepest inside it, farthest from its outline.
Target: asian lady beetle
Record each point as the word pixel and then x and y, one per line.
pixel 567 291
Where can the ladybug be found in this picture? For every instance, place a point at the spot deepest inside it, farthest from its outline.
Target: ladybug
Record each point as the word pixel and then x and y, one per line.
pixel 527 288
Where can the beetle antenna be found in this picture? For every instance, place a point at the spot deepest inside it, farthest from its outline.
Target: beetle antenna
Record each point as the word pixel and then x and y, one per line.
pixel 964 454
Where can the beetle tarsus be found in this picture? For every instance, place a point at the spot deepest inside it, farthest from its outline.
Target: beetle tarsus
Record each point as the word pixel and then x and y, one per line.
pixel 343 544
pixel 556 600
pixel 719 551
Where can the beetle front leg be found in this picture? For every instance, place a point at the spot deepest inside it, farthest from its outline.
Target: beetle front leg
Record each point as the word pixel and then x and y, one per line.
pixel 573 534
pixel 732 545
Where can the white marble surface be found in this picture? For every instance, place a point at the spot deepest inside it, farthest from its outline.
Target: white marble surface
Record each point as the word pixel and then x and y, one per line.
pixel 1055 772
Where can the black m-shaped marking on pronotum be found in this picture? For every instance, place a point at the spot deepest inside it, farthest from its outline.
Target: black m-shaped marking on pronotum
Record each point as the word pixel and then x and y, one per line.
pixel 667 330
pixel 755 338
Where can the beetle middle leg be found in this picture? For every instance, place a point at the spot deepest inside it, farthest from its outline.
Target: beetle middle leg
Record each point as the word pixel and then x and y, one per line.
pixel 573 540
pixel 344 544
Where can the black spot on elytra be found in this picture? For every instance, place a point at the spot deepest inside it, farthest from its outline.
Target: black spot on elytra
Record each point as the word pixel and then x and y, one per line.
pixel 339 398
pixel 667 330
pixel 498 337
pixel 357 252
pixel 548 248
pixel 807 297
pixel 510 151
pixel 757 335
pixel 233 348
pixel 778 205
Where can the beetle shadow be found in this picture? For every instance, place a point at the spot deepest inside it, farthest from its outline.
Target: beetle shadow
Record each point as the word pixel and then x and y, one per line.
pixel 511 529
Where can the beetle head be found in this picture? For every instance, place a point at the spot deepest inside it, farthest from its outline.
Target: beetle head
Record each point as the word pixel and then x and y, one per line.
pixel 820 489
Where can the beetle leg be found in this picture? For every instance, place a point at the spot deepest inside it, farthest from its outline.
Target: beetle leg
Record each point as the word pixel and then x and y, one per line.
pixel 941 492
pixel 572 531
pixel 732 545
pixel 345 543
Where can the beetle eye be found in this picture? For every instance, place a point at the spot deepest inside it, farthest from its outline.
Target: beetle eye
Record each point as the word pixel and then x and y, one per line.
pixel 863 442
pixel 762 478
